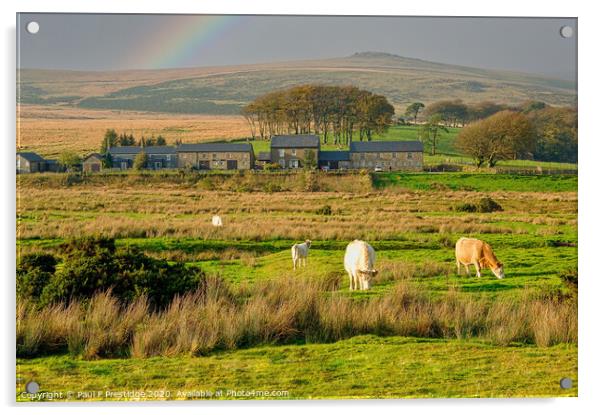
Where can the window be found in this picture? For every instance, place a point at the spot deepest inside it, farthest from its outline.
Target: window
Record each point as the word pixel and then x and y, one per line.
pixel 282 163
pixel 293 164
pixel 281 152
pixel 294 151
pixel 393 155
pixel 214 156
pixel 168 157
pixel 409 156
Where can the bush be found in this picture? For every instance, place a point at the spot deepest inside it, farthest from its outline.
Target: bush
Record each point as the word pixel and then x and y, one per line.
pixel 570 277
pixel 93 264
pixel 33 274
pixel 325 210
pixel 466 207
pixel 271 166
pixel 485 205
pixel 488 205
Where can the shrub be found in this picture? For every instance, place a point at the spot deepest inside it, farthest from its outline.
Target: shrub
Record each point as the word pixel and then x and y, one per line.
pixel 484 205
pixel 325 210
pixel 570 277
pixel 466 207
pixel 488 205
pixel 93 264
pixel 33 273
pixel 140 161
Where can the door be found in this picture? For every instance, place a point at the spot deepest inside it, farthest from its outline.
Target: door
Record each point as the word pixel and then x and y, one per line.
pixel 232 164
pixel 204 165
pixel 95 167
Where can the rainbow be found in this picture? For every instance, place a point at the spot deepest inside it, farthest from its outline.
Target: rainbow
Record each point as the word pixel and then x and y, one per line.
pixel 180 41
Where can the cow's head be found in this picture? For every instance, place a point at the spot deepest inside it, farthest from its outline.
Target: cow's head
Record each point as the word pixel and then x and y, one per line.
pixel 367 278
pixel 308 243
pixel 498 270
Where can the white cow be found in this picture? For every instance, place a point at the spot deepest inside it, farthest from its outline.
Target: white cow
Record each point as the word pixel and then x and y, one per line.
pixel 216 220
pixel 299 253
pixel 359 264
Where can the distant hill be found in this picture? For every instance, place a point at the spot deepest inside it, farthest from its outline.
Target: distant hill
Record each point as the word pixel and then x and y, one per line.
pixel 224 90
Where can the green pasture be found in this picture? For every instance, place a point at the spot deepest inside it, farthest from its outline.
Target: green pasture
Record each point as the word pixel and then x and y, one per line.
pixel 360 367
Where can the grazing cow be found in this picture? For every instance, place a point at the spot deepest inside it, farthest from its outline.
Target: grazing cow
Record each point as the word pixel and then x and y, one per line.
pixel 478 253
pixel 359 264
pixel 299 253
pixel 216 221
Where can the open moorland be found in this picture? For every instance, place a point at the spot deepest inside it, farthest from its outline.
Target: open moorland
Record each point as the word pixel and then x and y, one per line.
pixel 269 328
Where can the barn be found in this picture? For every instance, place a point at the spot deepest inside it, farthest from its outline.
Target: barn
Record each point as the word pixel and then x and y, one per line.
pixel 92 163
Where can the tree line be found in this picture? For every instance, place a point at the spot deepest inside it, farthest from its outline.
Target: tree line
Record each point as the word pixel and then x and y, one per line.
pixel 112 139
pixel 544 134
pixel 493 131
pixel 332 112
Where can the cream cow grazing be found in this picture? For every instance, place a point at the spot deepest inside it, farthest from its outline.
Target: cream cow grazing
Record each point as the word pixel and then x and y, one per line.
pixel 470 251
pixel 359 264
pixel 299 253
pixel 217 221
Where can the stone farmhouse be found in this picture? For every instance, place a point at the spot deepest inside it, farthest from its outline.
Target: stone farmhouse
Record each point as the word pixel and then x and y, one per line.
pixel 386 155
pixel 286 151
pixel 292 151
pixel 216 156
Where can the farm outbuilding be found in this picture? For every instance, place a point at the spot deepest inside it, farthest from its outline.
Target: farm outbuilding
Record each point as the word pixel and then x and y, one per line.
pixel 92 163
pixel 159 157
pixel 30 162
pixel 333 160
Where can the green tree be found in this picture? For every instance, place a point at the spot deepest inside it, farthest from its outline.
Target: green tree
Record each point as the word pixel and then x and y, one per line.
pixel 109 140
pixel 310 162
pixel 453 113
pixel 140 161
pixel 413 109
pixel 107 161
pixel 70 161
pixel 503 136
pixel 429 132
pixel 161 141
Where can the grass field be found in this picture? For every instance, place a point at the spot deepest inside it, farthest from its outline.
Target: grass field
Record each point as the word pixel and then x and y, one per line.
pixel 411 221
pixel 361 367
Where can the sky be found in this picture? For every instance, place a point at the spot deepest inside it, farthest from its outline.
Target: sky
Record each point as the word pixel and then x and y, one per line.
pixel 116 42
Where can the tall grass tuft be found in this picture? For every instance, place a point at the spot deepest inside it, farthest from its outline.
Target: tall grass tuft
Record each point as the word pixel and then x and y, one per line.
pixel 219 317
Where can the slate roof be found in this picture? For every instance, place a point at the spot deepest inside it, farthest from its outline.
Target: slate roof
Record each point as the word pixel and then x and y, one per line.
pixel 29 156
pixel 217 147
pixel 385 146
pixel 295 141
pixel 333 156
pixel 264 156
pixel 147 150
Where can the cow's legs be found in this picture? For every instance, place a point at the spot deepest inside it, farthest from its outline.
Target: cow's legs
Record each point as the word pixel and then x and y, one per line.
pixel 458 266
pixel 350 281
pixel 467 270
pixel 478 267
pixel 294 263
